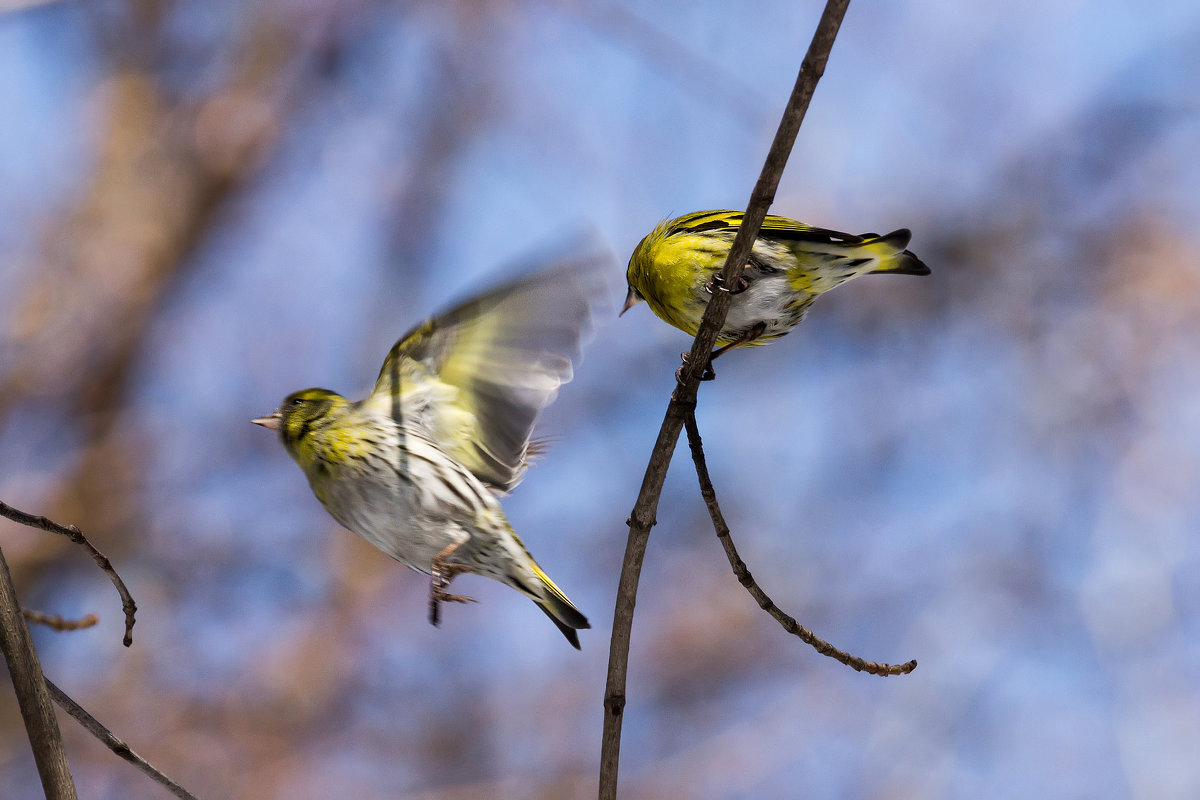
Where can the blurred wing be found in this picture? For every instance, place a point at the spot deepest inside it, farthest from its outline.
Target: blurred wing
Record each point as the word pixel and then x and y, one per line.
pixel 776 228
pixel 477 375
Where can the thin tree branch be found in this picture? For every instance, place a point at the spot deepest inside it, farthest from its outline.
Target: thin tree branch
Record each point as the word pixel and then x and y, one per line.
pixel 55 622
pixel 76 536
pixel 113 742
pixel 746 579
pixel 683 399
pixel 30 686
pixel 43 688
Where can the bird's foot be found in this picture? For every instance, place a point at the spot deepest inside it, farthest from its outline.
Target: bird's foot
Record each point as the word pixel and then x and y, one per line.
pixel 717 284
pixel 443 572
pixel 437 597
pixel 707 375
pixel 757 330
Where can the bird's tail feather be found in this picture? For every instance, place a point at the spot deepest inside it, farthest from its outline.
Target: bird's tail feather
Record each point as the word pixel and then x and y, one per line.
pixel 893 256
pixel 561 611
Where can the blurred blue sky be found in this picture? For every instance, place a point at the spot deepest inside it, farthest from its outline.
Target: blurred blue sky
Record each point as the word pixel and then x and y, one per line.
pixel 991 470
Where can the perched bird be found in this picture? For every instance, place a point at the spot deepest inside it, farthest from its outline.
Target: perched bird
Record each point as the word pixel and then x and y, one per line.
pixel 417 467
pixel 675 269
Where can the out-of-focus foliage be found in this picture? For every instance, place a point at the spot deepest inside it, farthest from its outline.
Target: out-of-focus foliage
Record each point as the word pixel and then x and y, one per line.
pixel 204 206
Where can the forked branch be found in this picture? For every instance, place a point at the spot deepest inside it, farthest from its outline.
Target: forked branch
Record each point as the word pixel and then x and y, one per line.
pixel 683 399
pixel 35 691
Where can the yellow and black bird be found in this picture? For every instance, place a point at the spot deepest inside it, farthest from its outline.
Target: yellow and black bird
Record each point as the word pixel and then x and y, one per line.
pixel 417 468
pixel 675 266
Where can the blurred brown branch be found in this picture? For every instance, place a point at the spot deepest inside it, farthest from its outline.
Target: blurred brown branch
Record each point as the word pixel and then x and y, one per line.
pixel 683 399
pixel 747 580
pixel 76 536
pixel 112 741
pixel 30 686
pixel 55 622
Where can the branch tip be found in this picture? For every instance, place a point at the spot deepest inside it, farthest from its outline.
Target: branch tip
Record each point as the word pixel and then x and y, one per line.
pixel 744 577
pixel 75 535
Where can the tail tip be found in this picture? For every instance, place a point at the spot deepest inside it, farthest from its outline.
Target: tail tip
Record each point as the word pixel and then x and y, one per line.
pixel 572 637
pixel 905 262
pixel 567 618
pixel 898 238
pixel 914 265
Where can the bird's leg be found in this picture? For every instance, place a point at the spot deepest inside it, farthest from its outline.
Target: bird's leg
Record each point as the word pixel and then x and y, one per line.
pixel 755 331
pixel 443 573
pixel 750 335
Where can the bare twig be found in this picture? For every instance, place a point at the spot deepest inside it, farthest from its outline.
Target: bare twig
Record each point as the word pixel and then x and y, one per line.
pixel 55 622
pixel 43 688
pixel 30 686
pixel 112 741
pixel 76 536
pixel 746 579
pixel 683 399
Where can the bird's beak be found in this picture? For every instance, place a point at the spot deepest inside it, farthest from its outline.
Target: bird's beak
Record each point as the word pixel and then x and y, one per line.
pixel 271 421
pixel 631 300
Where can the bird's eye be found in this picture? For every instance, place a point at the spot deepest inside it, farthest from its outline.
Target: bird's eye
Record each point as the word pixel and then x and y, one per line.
pixel 297 401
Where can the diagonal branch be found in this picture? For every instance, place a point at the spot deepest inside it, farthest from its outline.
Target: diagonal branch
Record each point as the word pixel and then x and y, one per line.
pixel 113 742
pixel 683 399
pixel 746 579
pixel 76 536
pixel 30 686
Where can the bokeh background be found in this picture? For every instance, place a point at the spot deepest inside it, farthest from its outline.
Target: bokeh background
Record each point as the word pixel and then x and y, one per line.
pixel 994 470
